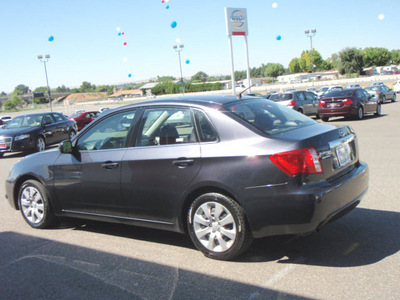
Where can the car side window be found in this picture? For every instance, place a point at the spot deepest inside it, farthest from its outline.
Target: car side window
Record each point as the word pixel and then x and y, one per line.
pixel 48 119
pixel 204 127
pixel 360 94
pixel 110 133
pixel 300 96
pixel 310 96
pixel 58 117
pixel 166 126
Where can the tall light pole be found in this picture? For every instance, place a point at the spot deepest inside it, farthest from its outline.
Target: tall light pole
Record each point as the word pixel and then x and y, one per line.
pixel 179 48
pixel 44 61
pixel 310 34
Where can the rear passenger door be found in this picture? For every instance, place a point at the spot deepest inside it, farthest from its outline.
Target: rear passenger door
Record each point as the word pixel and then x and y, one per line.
pixel 161 165
pixel 312 103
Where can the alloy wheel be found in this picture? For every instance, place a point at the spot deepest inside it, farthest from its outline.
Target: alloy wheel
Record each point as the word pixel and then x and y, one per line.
pixel 214 226
pixel 32 205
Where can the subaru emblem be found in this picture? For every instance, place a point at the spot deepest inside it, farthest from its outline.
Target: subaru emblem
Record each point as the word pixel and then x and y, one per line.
pixel 341 133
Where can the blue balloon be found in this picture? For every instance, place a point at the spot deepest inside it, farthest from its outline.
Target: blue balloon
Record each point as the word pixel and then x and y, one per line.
pixel 167 7
pixel 51 38
pixel 187 61
pixel 119 33
pixel 173 24
pixel 129 75
pixel 278 37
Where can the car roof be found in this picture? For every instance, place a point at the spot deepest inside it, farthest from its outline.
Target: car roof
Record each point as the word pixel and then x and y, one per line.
pixel 212 101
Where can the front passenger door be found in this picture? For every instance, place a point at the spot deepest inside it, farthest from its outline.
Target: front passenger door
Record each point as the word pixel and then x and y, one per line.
pixel 89 180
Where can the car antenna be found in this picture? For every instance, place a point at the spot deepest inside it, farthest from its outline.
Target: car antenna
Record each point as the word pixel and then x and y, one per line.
pixel 240 94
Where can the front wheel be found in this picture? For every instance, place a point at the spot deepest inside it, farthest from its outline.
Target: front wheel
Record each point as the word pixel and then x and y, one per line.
pixel 217 226
pixel 394 98
pixel 383 99
pixel 40 144
pixel 378 110
pixel 33 200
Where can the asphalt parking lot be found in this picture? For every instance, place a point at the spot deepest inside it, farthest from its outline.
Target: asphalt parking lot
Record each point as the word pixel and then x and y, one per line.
pixel 356 257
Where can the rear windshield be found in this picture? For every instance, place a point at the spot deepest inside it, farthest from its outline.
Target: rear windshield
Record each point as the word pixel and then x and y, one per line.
pixel 339 93
pixel 267 116
pixel 281 97
pixel 373 88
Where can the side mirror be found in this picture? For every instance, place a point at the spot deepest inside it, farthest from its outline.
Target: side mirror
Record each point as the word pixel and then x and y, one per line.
pixel 65 146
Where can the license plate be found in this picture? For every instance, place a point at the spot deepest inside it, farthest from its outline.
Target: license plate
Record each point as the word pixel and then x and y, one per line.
pixel 3 146
pixel 344 154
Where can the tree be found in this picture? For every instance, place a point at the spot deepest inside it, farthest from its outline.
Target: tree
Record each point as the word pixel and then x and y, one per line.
pixel 239 75
pixel 200 76
pixel 395 56
pixel 305 60
pixel 334 60
pixel 102 88
pixel 325 65
pixel 374 56
pixel 351 61
pixel 274 70
pixel 42 89
pixel 13 102
pixel 87 87
pixel 62 89
pixel 21 89
pixel 165 78
pixel 294 65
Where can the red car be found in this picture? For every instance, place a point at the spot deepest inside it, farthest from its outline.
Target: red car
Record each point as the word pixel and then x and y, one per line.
pixel 83 118
pixel 348 103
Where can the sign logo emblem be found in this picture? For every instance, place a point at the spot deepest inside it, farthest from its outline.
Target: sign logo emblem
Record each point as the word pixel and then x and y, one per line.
pixel 238 20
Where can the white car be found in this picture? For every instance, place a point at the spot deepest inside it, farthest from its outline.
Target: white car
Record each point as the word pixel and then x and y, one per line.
pixel 326 89
pixel 353 86
pixel 396 86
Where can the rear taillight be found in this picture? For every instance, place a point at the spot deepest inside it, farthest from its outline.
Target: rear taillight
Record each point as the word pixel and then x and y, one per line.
pixel 347 101
pixel 301 161
pixel 321 103
pixel 292 103
pixel 378 92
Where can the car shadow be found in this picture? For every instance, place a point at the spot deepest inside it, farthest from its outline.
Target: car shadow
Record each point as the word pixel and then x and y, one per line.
pixel 347 119
pixel 37 268
pixel 362 237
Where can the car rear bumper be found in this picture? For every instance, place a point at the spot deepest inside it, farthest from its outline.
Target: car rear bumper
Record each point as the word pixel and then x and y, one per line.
pixel 307 209
pixel 342 111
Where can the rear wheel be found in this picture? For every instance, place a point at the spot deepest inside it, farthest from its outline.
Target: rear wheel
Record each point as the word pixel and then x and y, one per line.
pixel 300 111
pixel 378 110
pixel 383 99
pixel 360 113
pixel 394 98
pixel 72 133
pixel 217 226
pixel 33 200
pixel 325 119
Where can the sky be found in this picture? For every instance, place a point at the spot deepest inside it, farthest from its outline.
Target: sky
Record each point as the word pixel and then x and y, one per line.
pixel 87 47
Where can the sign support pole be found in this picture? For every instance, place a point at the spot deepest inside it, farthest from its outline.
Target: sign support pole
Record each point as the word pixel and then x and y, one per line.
pixel 248 65
pixel 233 82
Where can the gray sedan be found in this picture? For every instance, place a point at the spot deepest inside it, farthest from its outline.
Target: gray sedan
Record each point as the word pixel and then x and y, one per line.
pixel 382 92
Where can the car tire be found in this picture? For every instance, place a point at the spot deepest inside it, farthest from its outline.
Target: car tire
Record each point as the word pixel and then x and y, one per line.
pixel 300 111
pixel 40 144
pixel 324 119
pixel 223 236
pixel 71 134
pixel 360 113
pixel 33 201
pixel 378 110
pixel 1 155
pixel 394 98
pixel 383 99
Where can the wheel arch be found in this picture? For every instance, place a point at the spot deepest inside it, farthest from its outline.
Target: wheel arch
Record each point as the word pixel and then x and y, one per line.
pixel 196 193
pixel 18 184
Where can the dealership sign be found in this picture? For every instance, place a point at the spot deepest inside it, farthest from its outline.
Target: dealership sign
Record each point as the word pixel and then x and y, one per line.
pixel 236 21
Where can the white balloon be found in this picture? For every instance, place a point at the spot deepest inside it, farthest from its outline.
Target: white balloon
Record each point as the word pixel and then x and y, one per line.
pixel 381 16
pixel 274 5
pixel 118 29
pixel 178 40
pixel 125 59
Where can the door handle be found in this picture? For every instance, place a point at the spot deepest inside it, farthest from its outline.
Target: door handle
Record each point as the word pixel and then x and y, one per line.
pixel 183 163
pixel 110 165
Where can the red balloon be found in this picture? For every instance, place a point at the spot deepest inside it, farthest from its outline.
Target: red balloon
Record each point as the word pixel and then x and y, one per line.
pixel 124 43
pixel 123 33
pixel 162 1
